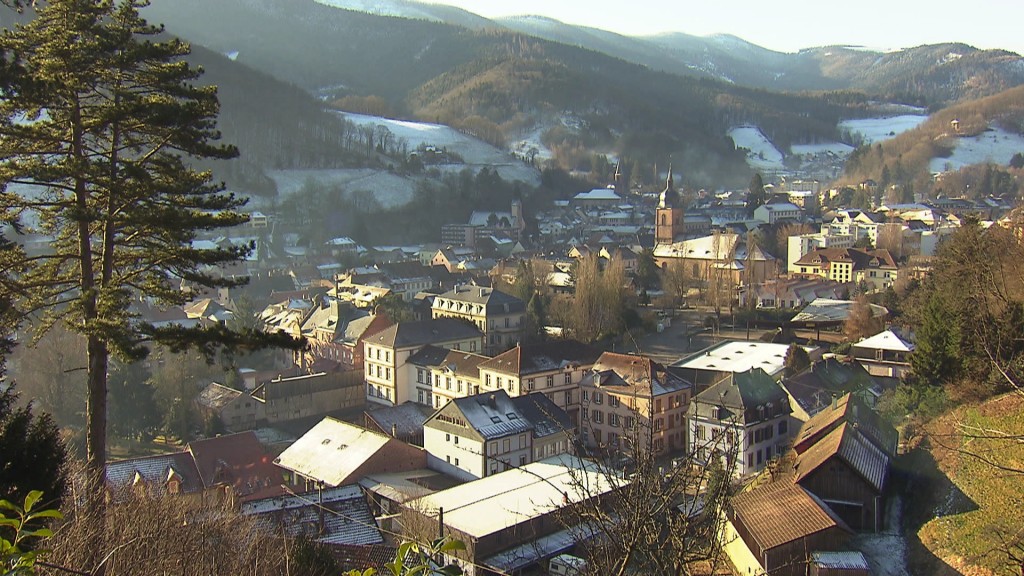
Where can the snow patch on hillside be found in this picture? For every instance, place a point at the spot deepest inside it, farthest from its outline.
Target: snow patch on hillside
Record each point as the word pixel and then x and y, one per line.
pixel 873 130
pixel 476 153
pixel 382 8
pixel 837 148
pixel 995 145
pixel 761 153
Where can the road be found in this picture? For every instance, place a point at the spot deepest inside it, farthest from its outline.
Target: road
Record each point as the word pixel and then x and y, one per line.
pixel 686 334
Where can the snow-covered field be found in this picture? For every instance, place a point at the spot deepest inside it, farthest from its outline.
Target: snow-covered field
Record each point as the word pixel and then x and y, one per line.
pixel 994 145
pixel 476 153
pixel 530 141
pixel 762 155
pixel 877 129
pixel 837 148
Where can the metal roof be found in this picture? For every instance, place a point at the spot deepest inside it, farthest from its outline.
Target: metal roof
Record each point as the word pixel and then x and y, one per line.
pixel 346 516
pixel 739 356
pixel 780 512
pixel 509 498
pixel 331 451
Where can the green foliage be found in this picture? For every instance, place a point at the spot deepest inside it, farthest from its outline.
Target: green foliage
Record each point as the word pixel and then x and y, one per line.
pixel 797 359
pixel 34 456
pixel 397 310
pixel 133 410
pixel 755 193
pixel 21 529
pixel 311 558
pixel 918 400
pixel 422 560
pixel 938 347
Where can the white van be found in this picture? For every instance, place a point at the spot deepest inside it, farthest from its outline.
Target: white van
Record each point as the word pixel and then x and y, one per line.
pixel 566 565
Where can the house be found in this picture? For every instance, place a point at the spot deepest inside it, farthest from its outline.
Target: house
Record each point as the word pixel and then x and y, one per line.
pixel 335 453
pixel 628 399
pixel 851 409
pixel 404 421
pixel 816 387
pixel 596 198
pixel 793 292
pixel 513 520
pixel 848 472
pixel 236 410
pixel 488 433
pixel 226 469
pixel 334 515
pixel 775 528
pixel 876 268
pixel 884 354
pixel 450 374
pixel 387 353
pixel 336 331
pixel 743 419
pixel 803 244
pixel 776 212
pixel 719 361
pixel 554 368
pixel 829 313
pixel 300 394
pixel 498 315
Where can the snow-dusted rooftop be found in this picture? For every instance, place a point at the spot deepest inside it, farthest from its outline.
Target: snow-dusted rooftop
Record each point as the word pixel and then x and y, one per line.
pixel 887 340
pixel 739 356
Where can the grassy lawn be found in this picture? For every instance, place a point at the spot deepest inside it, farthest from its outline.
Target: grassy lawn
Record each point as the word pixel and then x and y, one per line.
pixel 981 506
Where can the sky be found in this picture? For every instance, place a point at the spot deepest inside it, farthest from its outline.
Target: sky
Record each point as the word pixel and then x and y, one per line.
pixel 789 25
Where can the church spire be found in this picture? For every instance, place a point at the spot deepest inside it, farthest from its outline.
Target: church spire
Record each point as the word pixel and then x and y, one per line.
pixel 668 195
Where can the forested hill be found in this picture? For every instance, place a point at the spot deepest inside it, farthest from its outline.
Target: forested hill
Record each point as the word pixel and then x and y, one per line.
pixel 499 83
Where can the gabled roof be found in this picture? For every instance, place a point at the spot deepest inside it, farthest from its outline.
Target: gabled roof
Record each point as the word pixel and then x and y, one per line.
pixel 462 363
pixel 332 451
pixel 526 359
pixel 848 444
pixel 632 374
pixel 239 461
pixel 861 259
pixel 438 330
pixel 847 409
pixel 493 301
pixel 492 415
pixel 155 471
pixel 781 512
pixel 216 396
pixel 886 340
pixel 823 310
pixel 814 387
pixel 429 356
pixel 404 420
pixel 742 392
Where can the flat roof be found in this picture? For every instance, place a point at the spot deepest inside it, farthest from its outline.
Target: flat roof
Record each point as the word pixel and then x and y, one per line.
pixel 738 356
pixel 497 502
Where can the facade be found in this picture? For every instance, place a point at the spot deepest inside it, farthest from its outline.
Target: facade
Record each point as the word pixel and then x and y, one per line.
pixel 552 368
pixel 776 212
pixel 724 258
pixel 804 244
pixel 335 332
pixel 448 374
pixel 744 419
pixel 498 315
pixel 627 399
pixel 877 268
pixel 482 435
pixel 387 353
pixel 286 398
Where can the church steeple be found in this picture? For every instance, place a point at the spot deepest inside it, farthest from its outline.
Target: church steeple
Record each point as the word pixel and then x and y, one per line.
pixel 668 195
pixel 669 217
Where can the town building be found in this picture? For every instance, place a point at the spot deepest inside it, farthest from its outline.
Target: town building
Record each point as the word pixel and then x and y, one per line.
pixel 498 315
pixel 488 433
pixel 336 515
pixel 515 519
pixel 875 268
pixel 744 420
pixel 632 404
pixel 722 258
pixel 553 368
pixel 803 244
pixel 449 374
pixel 721 360
pixel 387 353
pixel 884 354
pixel 669 216
pixel 336 453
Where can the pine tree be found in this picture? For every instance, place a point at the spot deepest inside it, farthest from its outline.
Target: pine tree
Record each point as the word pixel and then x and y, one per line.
pixel 755 193
pixel 101 121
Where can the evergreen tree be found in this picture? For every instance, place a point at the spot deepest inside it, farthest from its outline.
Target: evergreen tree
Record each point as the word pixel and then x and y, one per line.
pixel 113 119
pixel 935 359
pixel 134 414
pixel 796 359
pixel 755 193
pixel 34 456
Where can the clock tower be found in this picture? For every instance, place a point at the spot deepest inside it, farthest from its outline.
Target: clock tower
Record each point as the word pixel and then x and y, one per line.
pixel 668 222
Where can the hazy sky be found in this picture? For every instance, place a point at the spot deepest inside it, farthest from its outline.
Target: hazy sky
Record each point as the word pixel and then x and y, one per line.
pixel 788 25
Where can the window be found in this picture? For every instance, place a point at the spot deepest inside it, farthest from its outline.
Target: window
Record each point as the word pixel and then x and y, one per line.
pixel 759 457
pixel 420 375
pixel 585 395
pixel 492 448
pixel 551 381
pixel 456 458
pixel 378 353
pixel 499 381
pixel 448 459
pixel 419 396
pixel 585 414
pixel 529 384
pixel 598 398
pixel 568 377
pixel 613 419
pixel 568 397
pixel 628 421
pixel 522 441
pixel 369 370
pixel 379 372
pixel 506 445
pixel 750 459
pixel 459 385
pixel 657 405
pixel 700 432
pixel 522 460
pixel 658 425
pixel 387 355
pixel 487 380
pixel 387 374
pixel 448 383
pixel 456 439
pixel 783 427
pixel 598 416
pixel 613 401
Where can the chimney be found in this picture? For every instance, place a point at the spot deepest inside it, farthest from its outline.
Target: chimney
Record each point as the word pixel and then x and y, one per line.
pixel 394 430
pixel 493 401
pixel 835 402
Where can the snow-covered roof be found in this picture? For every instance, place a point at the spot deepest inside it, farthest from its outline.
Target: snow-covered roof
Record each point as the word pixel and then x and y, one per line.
pixel 331 451
pixel 739 356
pixel 599 194
pixel 887 340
